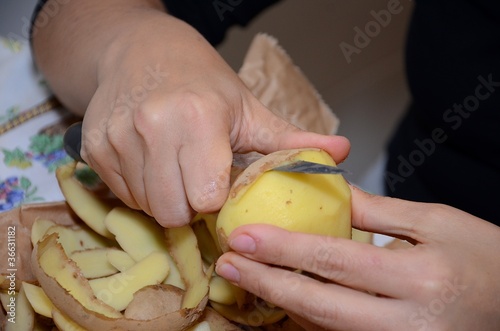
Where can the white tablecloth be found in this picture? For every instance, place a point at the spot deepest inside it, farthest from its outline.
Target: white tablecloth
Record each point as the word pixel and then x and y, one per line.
pixel 30 151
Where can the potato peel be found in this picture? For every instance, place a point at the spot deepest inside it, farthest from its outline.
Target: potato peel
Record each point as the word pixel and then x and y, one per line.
pixel 25 315
pixel 63 322
pixel 84 203
pixel 139 236
pixel 183 246
pixel 259 315
pixel 94 262
pixel 118 290
pixel 63 282
pixel 51 265
pixel 38 299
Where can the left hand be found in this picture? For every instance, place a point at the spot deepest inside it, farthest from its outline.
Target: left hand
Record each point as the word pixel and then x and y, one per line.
pixel 447 281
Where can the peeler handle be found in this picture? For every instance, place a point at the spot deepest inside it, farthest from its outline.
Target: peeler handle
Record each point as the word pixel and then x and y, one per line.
pixel 72 141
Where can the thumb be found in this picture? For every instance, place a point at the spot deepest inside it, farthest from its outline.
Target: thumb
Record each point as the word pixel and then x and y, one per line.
pixel 268 133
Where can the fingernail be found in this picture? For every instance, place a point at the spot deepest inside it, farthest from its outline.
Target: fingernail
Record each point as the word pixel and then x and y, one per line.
pixel 243 244
pixel 229 272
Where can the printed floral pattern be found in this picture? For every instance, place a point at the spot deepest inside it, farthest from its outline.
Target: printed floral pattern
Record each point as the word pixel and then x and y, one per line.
pixel 45 149
pixel 29 154
pixel 16 190
pixel 15 46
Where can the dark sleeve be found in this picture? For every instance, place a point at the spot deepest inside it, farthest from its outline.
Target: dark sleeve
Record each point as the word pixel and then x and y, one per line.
pixel 211 18
pixel 447 147
pixel 36 11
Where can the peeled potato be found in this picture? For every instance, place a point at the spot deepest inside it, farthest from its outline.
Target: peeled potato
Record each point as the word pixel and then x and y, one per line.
pixel 308 203
pixel 362 236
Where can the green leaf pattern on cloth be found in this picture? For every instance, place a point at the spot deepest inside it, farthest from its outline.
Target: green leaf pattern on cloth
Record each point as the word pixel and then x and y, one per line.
pixel 16 158
pixel 32 148
pixel 45 149
pixel 15 46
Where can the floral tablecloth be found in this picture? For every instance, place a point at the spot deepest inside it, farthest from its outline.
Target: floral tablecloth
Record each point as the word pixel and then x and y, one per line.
pixel 31 131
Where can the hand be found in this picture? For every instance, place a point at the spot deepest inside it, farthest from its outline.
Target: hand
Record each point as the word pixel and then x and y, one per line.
pixel 447 281
pixel 169 152
pixel 164 112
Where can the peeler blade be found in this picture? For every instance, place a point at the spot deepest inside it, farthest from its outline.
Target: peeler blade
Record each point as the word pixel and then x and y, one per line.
pixel 307 167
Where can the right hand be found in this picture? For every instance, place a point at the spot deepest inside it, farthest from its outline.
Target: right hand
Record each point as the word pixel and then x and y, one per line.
pixel 166 117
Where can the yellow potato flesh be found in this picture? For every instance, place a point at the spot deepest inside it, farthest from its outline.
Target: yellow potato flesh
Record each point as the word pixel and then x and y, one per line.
pixel 308 203
pixel 139 236
pixel 86 205
pixel 362 236
pixel 183 246
pixel 58 274
pixel 38 299
pixel 94 263
pixel 64 323
pixel 118 290
pixel 222 291
pixel 24 318
pixel 119 259
pixel 203 326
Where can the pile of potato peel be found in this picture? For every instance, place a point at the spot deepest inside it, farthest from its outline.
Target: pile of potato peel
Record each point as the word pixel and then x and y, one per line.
pixel 115 268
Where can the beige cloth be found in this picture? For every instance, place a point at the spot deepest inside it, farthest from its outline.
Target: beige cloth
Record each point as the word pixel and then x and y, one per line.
pixel 282 87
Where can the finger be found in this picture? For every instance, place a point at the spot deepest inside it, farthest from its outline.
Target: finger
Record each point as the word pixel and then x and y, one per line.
pixel 97 152
pixel 343 261
pixel 424 222
pixel 131 158
pixel 268 133
pixel 329 306
pixel 205 159
pixel 337 146
pixel 165 189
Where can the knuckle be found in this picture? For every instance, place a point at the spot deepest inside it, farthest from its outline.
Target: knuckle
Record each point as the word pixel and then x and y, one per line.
pixel 184 108
pixel 128 199
pixel 330 262
pixel 441 212
pixel 117 141
pixel 173 214
pixel 148 119
pixel 320 311
pixel 211 196
pixel 431 285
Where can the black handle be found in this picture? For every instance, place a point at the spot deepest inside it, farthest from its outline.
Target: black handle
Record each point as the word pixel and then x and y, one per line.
pixel 73 141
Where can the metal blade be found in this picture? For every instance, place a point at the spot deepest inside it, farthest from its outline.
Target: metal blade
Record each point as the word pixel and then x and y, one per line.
pixel 307 167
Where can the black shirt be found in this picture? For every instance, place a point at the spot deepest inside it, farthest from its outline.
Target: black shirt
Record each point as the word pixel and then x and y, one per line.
pixel 211 18
pixel 447 148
